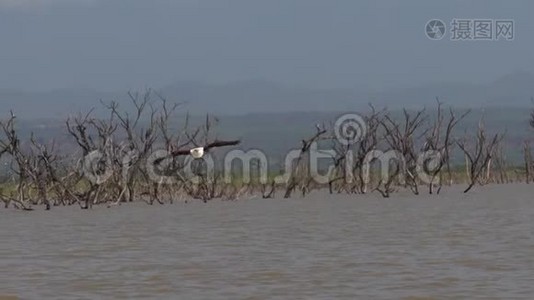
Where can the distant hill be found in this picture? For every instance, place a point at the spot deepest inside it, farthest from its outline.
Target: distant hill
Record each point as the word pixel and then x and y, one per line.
pixel 514 90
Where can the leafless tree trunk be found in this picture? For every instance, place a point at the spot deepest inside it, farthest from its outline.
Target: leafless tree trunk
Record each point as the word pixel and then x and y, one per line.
pixel 368 143
pixel 478 155
pixel 300 169
pixel 439 141
pixel 401 137
pixel 527 156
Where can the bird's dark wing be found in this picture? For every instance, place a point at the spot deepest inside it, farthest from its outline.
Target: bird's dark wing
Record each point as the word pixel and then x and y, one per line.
pixel 180 152
pixel 173 154
pixel 217 143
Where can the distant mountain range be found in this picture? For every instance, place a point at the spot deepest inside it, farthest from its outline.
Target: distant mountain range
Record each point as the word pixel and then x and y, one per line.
pixel 514 90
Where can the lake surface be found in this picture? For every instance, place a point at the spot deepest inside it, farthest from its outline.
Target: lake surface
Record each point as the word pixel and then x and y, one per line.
pixel 451 246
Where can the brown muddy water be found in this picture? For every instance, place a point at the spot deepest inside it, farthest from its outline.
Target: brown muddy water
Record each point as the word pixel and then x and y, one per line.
pixel 451 246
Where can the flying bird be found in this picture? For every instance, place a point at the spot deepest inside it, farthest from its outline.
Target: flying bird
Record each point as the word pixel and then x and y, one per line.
pixel 198 152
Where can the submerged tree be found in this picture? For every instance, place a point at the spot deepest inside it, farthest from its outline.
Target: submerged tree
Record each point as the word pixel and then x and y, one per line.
pixel 478 153
pixel 438 143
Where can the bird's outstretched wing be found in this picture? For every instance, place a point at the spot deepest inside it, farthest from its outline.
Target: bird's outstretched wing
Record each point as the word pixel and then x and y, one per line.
pixel 174 153
pixel 181 152
pixel 217 143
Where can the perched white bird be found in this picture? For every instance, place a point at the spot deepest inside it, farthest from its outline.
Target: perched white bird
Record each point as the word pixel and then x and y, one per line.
pixel 197 152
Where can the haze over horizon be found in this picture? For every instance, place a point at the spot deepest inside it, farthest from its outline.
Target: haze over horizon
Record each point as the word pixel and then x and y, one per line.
pixel 369 45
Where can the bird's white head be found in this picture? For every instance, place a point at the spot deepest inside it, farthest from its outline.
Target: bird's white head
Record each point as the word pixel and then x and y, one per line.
pixel 197 152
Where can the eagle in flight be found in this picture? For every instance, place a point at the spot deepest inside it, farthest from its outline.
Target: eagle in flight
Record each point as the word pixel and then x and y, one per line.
pixel 198 152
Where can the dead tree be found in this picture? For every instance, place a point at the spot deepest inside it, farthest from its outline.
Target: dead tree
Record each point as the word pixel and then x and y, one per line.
pixel 386 181
pixel 95 138
pixel 299 176
pixel 369 142
pixel 527 157
pixel 140 131
pixel 339 173
pixel 438 143
pixel 268 191
pixel 349 159
pixel 479 155
pixel 19 162
pixel 42 169
pixel 401 137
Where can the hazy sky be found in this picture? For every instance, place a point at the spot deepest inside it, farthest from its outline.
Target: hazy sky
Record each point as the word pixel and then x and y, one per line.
pixel 124 44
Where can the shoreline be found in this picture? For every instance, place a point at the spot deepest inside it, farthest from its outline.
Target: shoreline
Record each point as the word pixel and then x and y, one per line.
pixel 454 191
